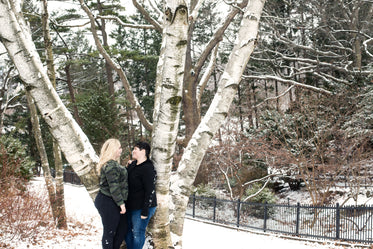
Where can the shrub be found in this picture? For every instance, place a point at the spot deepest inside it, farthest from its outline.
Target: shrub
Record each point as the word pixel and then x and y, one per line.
pixel 204 190
pixel 207 194
pixel 23 214
pixel 255 208
pixel 14 161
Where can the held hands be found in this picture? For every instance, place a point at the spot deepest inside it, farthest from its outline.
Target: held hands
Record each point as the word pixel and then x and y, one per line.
pixel 129 162
pixel 122 209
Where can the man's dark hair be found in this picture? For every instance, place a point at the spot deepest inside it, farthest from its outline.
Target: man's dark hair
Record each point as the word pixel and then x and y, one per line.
pixel 143 146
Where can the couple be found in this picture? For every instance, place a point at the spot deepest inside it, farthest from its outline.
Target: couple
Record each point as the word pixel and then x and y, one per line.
pixel 126 200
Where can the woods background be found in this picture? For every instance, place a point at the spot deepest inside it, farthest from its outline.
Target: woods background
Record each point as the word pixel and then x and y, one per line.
pixel 178 74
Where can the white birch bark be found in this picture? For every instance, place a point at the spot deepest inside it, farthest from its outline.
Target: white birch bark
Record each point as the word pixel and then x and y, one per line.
pixel 75 145
pixel 43 154
pixel 51 72
pixel 15 36
pixel 168 96
pixel 183 179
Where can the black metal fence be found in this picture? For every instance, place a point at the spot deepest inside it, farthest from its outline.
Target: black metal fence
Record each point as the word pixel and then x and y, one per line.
pixel 68 176
pixel 345 223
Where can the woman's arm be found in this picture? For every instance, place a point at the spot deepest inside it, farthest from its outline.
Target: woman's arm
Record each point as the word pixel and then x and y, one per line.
pixel 149 178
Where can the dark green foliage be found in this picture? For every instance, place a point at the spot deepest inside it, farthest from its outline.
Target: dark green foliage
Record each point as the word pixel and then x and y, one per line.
pixel 14 159
pixel 208 196
pixel 100 120
pixel 265 196
pixel 359 126
pixel 137 51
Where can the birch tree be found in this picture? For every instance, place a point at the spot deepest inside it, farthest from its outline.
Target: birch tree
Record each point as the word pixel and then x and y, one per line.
pixel 15 36
pixel 173 188
pixel 59 197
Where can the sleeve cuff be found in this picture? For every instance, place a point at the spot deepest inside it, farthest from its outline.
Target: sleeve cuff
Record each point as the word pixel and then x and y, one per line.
pixel 145 212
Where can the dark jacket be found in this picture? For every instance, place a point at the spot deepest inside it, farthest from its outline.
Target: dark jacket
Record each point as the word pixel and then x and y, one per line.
pixel 114 182
pixel 141 185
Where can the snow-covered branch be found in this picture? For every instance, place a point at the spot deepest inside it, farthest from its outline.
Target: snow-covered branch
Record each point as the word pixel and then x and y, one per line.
pixel 194 14
pixel 225 173
pixel 291 82
pixel 276 97
pixel 365 44
pixel 258 192
pixel 324 64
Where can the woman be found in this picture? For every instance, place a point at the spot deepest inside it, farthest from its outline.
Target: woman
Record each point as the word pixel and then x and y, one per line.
pixel 142 200
pixel 110 201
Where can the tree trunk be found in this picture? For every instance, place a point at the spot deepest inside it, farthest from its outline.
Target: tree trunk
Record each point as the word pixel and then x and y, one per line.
pixel 191 103
pixel 109 70
pixel 15 35
pixel 60 191
pixel 43 155
pixel 167 105
pixel 182 180
pixel 60 196
pixel 75 145
pixel 72 94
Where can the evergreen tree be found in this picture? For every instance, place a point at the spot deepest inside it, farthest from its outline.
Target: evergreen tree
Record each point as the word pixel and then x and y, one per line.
pixel 137 51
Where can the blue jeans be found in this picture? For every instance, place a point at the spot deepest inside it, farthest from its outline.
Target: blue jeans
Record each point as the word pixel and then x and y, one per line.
pixel 135 238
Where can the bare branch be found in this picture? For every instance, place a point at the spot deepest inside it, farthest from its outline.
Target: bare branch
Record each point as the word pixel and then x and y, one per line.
pixel 128 25
pixel 365 43
pixel 305 48
pixel 258 192
pixel 131 97
pixel 275 97
pixel 194 13
pixel 218 36
pixel 329 78
pixel 206 76
pixel 153 5
pixel 227 180
pixel 68 26
pixel 147 16
pixel 325 64
pixel 291 82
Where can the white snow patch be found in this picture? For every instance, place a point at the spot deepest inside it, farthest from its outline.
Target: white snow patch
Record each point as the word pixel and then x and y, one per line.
pixel 85 231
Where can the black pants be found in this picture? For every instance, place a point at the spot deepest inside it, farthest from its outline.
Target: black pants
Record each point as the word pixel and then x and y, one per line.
pixel 114 223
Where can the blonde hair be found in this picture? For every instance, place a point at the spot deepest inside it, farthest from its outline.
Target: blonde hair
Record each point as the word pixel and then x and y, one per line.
pixel 108 152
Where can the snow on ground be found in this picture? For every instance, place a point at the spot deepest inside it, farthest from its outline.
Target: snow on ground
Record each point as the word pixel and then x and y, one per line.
pixel 85 230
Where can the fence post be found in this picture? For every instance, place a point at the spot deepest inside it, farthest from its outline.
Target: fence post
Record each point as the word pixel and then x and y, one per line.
pixel 194 205
pixel 297 221
pixel 238 212
pixel 337 221
pixel 214 216
pixel 265 216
